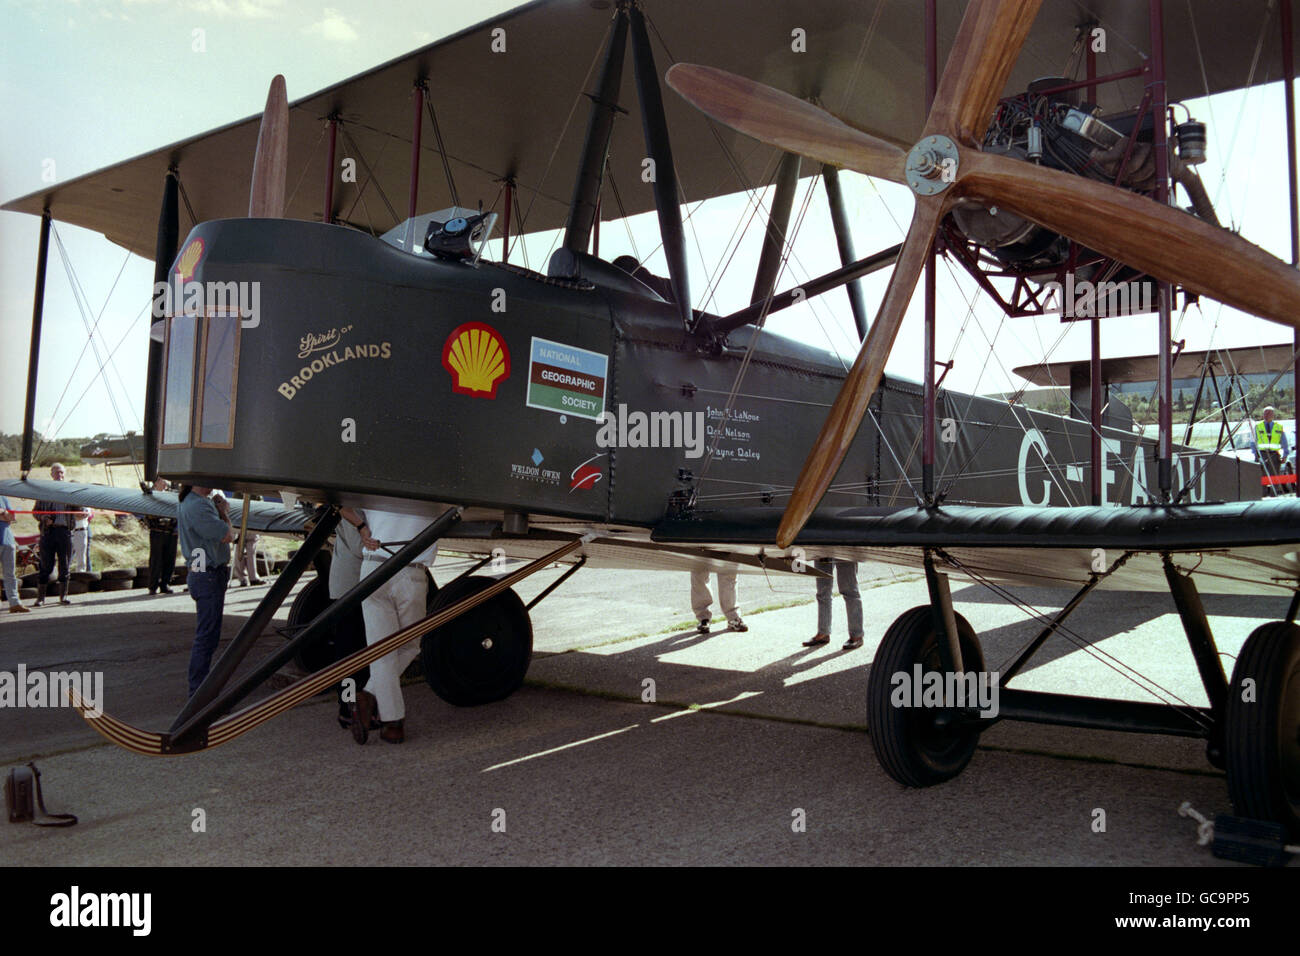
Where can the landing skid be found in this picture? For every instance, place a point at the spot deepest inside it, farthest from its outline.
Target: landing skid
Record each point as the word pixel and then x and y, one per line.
pixel 199 727
pixel 1251 728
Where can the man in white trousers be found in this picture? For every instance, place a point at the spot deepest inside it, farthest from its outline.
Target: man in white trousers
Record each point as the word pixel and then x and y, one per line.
pixel 701 599
pixel 399 603
pixel 244 564
pixel 345 573
pixel 81 540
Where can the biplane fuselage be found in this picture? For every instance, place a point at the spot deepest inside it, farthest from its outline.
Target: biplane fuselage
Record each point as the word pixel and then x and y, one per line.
pixel 352 370
pixel 422 380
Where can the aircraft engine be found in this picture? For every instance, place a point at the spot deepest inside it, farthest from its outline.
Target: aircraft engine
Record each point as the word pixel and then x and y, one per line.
pixel 1059 131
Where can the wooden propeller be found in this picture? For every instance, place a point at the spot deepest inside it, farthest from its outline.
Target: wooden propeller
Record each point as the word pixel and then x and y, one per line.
pixel 271 161
pixel 945 168
pixel 795 125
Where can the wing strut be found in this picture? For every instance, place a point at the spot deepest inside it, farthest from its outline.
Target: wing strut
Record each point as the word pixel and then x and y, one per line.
pixel 806 290
pixel 667 198
pixel 33 360
pixel 164 253
pixel 600 126
pixel 844 239
pixel 778 229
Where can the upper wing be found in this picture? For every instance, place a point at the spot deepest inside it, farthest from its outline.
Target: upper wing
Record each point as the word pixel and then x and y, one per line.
pixel 520 113
pixel 263 516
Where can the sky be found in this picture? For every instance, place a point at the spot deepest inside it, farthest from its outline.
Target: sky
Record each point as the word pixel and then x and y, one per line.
pixel 87 83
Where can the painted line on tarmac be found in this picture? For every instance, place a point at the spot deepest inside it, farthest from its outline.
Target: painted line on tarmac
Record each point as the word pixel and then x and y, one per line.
pixel 576 743
pixel 695 708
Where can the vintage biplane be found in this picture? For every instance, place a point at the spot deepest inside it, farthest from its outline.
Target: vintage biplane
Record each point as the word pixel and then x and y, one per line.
pixel 545 413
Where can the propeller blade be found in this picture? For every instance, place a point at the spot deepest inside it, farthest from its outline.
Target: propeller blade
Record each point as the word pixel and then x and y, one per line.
pixel 1161 240
pixel 271 162
pixel 979 64
pixel 780 119
pixel 845 416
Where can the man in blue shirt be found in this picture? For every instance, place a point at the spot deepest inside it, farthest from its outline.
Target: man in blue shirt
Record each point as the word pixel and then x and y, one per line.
pixel 8 548
pixel 205 536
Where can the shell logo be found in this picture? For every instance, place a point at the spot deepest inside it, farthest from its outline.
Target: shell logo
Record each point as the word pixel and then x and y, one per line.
pixel 189 260
pixel 477 358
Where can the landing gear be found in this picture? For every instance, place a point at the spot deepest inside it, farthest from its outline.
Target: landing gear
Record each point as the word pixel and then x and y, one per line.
pixel 919 746
pixel 482 655
pixel 346 636
pixel 337 642
pixel 1262 733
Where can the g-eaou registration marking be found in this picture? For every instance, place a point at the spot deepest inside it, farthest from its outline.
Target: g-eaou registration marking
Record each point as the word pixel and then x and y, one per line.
pixel 566 379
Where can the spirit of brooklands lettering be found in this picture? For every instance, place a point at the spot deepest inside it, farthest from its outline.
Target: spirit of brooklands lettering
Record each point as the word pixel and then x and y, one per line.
pixel 319 341
pixel 379 350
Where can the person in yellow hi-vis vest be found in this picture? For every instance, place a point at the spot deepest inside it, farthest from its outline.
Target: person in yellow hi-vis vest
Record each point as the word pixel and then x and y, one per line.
pixel 1270 447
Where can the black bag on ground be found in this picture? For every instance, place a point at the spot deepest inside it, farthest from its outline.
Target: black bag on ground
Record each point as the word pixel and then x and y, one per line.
pixel 24 802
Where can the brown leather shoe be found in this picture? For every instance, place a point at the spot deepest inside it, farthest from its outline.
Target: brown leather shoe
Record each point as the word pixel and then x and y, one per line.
pixel 363 713
pixel 392 732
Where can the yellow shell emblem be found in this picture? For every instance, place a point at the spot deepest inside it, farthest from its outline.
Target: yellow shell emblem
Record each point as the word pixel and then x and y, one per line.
pixel 477 358
pixel 189 260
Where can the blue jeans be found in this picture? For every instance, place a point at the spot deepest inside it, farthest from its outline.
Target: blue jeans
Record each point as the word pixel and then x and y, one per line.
pixel 847 573
pixel 10 578
pixel 208 589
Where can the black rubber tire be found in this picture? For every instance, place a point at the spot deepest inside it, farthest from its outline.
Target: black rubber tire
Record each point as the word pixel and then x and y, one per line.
pixel 116 584
pixel 1261 738
pixel 28 594
pixel 78 587
pixel 347 636
pixel 909 746
pixel 30 580
pixel 483 655
pixel 117 574
pixel 85 576
pixel 344 638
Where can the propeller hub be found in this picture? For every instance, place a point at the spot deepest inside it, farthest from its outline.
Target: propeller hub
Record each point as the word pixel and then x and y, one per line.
pixel 932 165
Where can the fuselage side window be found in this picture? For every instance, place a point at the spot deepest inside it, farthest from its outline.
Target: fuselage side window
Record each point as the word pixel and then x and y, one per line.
pixel 217 398
pixel 182 333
